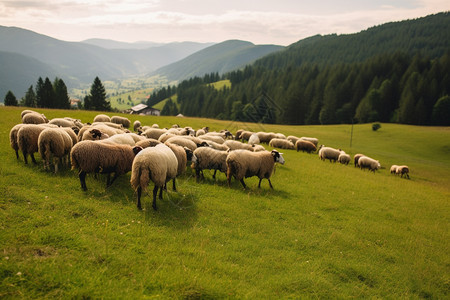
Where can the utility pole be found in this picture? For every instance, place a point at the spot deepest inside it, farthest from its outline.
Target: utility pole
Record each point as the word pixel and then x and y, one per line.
pixel 351 135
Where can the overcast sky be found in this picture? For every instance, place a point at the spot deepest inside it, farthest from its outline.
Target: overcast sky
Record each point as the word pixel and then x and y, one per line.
pixel 279 22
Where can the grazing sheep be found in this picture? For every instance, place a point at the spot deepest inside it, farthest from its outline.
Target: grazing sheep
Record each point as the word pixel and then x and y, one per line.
pixel 265 137
pixel 200 132
pixel 356 157
pixel 110 124
pixel 165 136
pixel 26 111
pixel 155 126
pixel 147 143
pixel 329 153
pixel 365 162
pixel 54 143
pixel 235 145
pixel 293 139
pixel 254 139
pixel 65 123
pixel 210 159
pixel 403 170
pixel 281 144
pixel 183 155
pixel 305 146
pixel 121 120
pixel 217 146
pixel 394 169
pixel 136 125
pixel 312 140
pixel 242 163
pixel 238 134
pixel 34 118
pixel 27 139
pixel 124 139
pixel 212 137
pixel 97 132
pixel 158 164
pixel 72 134
pixel 181 141
pixel 153 133
pixel 279 135
pixel 102 118
pixel 257 148
pixel 99 157
pixel 245 135
pixel 13 138
pixel 344 158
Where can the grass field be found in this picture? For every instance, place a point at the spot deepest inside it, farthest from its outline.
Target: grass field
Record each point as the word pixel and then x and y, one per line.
pixel 325 231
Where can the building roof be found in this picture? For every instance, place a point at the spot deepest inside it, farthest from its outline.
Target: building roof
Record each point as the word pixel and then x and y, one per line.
pixel 139 107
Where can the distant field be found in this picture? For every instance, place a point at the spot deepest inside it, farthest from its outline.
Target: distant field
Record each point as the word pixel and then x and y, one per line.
pixel 325 231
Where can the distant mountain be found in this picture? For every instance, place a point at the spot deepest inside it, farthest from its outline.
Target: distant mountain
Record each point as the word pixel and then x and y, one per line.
pixel 220 58
pixel 79 63
pixel 111 44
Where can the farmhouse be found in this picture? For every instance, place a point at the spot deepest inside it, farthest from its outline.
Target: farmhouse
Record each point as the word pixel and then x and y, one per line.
pixel 142 109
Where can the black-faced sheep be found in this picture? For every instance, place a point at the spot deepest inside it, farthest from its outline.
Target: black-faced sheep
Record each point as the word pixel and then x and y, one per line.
pixel 98 157
pixel 305 146
pixel 242 163
pixel 205 158
pixel 329 153
pixel 54 144
pixel 158 164
pixel 403 170
pixel 281 144
pixel 365 162
pixel 121 120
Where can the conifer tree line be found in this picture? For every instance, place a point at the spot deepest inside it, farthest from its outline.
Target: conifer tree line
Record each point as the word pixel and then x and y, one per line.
pixel 396 87
pixel 45 95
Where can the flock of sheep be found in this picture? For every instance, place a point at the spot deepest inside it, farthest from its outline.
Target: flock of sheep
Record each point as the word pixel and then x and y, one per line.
pixel 160 155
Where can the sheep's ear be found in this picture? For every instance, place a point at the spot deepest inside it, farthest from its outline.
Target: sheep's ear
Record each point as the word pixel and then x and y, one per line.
pixel 137 149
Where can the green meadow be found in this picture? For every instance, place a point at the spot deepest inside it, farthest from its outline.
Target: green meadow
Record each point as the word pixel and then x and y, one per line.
pixel 325 231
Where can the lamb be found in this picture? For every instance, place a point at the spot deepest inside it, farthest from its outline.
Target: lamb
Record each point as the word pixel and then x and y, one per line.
pixel 98 157
pixel 27 139
pixel 356 157
pixel 365 162
pixel 254 139
pixel 54 143
pixel 136 125
pixel 121 120
pixel 403 170
pixel 158 164
pixel 315 141
pixel 344 158
pixel 34 118
pixel 305 146
pixel 102 118
pixel 242 163
pixel 281 144
pixel 209 158
pixel 13 138
pixel 329 153
pixel 148 143
pixel 394 169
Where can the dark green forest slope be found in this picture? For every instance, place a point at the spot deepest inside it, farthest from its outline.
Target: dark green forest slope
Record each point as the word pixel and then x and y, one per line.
pixel 396 72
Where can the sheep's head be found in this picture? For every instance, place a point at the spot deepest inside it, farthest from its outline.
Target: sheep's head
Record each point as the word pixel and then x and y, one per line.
pixel 278 157
pixel 136 150
pixel 189 153
pixel 203 144
pixel 96 134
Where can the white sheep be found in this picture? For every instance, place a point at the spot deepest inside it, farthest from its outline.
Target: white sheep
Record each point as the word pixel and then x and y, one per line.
pixel 121 120
pixel 136 125
pixel 27 139
pixel 281 144
pixel 242 163
pixel 254 139
pixel 158 164
pixel 305 146
pixel 315 141
pixel 344 158
pixel 394 169
pixel 293 139
pixel 102 118
pixel 403 170
pixel 54 144
pixel 366 162
pixel 329 153
pixel 124 139
pixel 236 145
pixel 205 158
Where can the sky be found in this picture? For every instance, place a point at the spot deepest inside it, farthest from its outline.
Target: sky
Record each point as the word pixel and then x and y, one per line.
pixel 280 22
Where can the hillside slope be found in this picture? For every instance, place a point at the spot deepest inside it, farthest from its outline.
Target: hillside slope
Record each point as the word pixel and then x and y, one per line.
pixel 219 58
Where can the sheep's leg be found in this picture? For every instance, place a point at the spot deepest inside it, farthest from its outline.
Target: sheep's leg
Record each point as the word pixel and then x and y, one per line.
pixel 160 192
pixel 155 191
pixel 259 184
pixel 243 183
pixel 197 174
pixel 270 183
pixel 139 193
pixel 25 159
pixel 229 177
pixel 114 178
pixel 174 187
pixel 214 176
pixel 33 159
pixel 17 154
pixel 82 176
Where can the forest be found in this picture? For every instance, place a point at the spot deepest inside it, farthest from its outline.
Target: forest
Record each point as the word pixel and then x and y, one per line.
pixel 397 72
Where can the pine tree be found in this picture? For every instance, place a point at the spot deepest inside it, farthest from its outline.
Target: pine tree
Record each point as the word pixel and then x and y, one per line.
pixel 441 112
pixel 30 98
pixel 10 99
pixel 62 99
pixel 97 97
pixel 40 93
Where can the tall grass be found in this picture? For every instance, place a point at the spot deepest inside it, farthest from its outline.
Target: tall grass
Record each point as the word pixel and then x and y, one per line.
pixel 325 231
